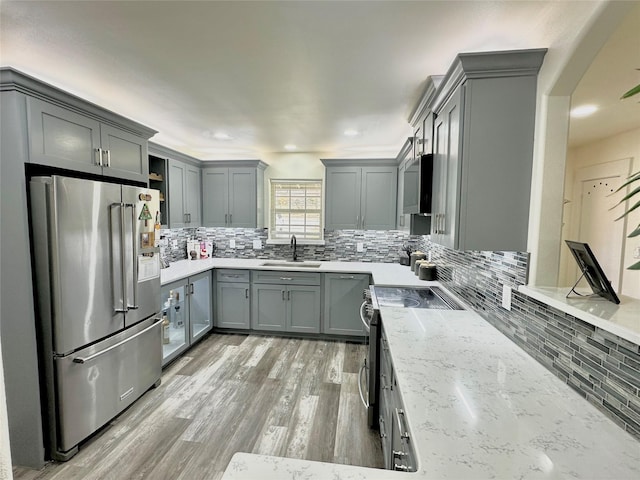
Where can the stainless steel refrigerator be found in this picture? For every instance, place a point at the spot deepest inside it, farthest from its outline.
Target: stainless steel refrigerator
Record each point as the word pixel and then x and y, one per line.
pixel 97 275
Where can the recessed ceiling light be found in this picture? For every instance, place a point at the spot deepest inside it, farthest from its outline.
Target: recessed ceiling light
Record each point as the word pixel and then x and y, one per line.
pixel 583 111
pixel 290 146
pixel 221 136
pixel 351 132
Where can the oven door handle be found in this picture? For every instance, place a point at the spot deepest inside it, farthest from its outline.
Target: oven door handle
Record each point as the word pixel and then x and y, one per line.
pixel 360 389
pixel 364 322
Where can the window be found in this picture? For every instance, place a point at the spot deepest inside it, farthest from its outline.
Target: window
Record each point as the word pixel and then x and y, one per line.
pixel 296 209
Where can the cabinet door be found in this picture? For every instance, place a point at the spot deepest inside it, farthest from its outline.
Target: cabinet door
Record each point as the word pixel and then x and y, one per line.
pixel 126 154
pixel 303 309
pixel 242 198
pixel 61 138
pixel 177 173
pixel 193 196
pixel 177 310
pixel 379 196
pixel 342 301
pixel 342 198
pixel 215 197
pixel 268 307
pixel 200 311
pixel 232 305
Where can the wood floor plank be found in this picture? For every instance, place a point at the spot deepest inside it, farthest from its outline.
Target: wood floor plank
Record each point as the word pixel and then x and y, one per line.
pixel 231 393
pixel 323 432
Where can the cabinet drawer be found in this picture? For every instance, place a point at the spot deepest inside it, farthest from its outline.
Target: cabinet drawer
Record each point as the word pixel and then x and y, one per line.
pixel 232 276
pixel 286 278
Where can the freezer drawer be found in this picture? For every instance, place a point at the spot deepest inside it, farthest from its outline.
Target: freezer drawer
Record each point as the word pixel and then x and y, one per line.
pixel 93 385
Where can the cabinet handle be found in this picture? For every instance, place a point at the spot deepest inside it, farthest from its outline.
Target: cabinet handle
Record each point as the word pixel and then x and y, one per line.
pixel 230 218
pixel 403 433
pixel 108 152
pixel 282 295
pixel 401 468
pixel 362 223
pixel 189 217
pixel 399 454
pixel 289 295
pixel 286 278
pixel 350 277
pixel 191 289
pixel 184 217
pixel 98 151
pixel 357 222
pixel 225 219
pixel 246 293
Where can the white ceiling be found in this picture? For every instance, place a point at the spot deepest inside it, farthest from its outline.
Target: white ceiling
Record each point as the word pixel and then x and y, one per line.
pixel 272 72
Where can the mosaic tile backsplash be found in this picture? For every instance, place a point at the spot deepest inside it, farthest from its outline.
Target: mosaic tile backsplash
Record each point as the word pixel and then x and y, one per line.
pixel 340 245
pixel 601 367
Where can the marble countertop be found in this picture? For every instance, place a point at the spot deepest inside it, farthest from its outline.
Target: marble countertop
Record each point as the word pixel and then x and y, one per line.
pixel 622 319
pixel 477 407
pixel 382 273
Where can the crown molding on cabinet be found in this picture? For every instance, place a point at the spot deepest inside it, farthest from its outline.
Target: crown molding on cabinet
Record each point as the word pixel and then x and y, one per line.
pixel 14 80
pixel 235 163
pixel 430 89
pixel 166 152
pixel 359 162
pixel 508 63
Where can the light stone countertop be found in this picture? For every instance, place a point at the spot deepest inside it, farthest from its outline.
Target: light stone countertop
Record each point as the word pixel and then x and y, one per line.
pixel 383 273
pixel 622 320
pixel 477 407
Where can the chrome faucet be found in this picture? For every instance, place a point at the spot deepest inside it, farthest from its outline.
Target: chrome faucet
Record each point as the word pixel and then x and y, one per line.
pixel 294 246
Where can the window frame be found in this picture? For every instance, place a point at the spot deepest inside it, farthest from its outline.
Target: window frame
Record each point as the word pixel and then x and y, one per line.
pixel 272 212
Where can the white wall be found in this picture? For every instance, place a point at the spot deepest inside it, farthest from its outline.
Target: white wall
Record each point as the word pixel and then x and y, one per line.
pixel 617 147
pixel 292 165
pixel 564 66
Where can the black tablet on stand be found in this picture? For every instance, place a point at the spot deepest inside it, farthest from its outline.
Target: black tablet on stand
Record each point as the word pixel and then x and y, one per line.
pixel 592 271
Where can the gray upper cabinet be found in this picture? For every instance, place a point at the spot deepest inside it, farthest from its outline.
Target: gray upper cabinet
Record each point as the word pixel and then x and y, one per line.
pixel 342 301
pixel 184 194
pixel 404 156
pixel 361 194
pixel 66 132
pixel 233 195
pixel 483 150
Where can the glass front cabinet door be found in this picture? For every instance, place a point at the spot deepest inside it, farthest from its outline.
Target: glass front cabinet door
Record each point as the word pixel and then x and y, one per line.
pixel 175 315
pixel 200 304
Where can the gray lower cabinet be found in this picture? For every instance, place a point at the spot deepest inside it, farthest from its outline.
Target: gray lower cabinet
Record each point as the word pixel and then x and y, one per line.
pixel 397 447
pixel 64 138
pixel 361 196
pixel 342 301
pixel 233 304
pixel 285 301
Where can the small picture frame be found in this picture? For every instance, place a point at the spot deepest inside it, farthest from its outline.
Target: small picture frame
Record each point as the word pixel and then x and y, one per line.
pixel 147 239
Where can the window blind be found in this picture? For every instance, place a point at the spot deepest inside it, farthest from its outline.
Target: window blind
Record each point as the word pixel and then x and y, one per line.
pixel 296 209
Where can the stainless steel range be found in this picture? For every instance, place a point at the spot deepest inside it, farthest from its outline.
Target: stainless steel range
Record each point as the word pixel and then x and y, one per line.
pixel 401 297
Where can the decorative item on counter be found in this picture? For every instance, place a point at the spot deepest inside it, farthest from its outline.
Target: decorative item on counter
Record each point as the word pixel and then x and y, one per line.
pixel 157 224
pixel 193 249
pixel 405 255
pixel 427 271
pixel 206 249
pixel 165 328
pixel 415 256
pixel 416 269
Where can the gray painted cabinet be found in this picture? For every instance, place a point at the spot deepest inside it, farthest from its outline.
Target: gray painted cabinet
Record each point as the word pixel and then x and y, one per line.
pixel 184 194
pixel 64 138
pixel 286 301
pixel 232 196
pixel 232 299
pixel 361 196
pixel 342 301
pixel 483 149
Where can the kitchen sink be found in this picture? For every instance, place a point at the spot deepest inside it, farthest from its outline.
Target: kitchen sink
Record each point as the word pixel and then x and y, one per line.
pixel 290 264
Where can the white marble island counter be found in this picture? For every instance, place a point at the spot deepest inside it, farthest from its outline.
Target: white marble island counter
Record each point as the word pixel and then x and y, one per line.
pixel 477 407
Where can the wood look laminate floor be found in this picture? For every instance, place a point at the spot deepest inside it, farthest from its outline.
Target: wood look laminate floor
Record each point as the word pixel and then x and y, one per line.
pixel 234 393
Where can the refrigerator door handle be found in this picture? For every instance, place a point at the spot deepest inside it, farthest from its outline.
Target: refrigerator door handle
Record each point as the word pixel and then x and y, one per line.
pixel 119 344
pixel 134 255
pixel 117 307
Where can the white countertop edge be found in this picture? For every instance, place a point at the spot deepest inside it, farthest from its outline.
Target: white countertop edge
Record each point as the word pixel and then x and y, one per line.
pixel 545 295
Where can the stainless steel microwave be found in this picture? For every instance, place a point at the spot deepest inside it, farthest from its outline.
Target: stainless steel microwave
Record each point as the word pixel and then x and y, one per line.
pixel 418 185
